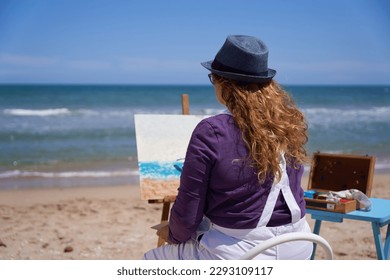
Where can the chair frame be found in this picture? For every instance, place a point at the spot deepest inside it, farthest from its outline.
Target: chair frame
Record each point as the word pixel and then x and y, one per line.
pixel 288 237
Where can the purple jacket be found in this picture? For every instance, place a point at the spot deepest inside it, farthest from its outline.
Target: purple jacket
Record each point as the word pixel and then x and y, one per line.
pixel 217 182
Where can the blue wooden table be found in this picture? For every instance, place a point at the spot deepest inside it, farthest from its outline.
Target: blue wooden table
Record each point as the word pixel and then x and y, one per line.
pixel 379 216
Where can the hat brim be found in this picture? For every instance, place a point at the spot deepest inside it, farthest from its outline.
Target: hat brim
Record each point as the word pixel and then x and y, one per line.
pixel 240 77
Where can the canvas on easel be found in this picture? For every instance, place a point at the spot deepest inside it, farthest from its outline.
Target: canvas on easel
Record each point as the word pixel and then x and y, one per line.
pixel 162 142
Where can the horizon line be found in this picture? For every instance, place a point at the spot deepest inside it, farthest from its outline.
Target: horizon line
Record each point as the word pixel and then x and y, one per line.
pixel 176 84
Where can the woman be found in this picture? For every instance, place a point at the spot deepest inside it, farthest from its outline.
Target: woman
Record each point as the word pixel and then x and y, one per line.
pixel 241 180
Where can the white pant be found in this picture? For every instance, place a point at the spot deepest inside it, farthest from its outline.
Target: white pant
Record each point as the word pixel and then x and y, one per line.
pixel 231 244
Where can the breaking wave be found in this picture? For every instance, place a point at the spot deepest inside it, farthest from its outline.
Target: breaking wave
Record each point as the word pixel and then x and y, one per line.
pixel 67 174
pixel 37 113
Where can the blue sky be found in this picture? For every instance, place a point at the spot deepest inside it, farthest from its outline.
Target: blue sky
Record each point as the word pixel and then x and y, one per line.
pixel 163 42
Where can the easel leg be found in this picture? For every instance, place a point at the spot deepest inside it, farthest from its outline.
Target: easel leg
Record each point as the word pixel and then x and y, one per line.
pixel 164 217
pixel 185 107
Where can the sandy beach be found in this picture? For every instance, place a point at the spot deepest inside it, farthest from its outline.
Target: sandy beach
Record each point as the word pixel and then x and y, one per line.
pixel 114 223
pixel 155 189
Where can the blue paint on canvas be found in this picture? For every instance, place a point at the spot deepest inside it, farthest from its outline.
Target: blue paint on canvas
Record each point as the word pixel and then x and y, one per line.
pixel 160 170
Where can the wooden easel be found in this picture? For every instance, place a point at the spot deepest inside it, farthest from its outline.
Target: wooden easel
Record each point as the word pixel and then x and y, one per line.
pixel 166 201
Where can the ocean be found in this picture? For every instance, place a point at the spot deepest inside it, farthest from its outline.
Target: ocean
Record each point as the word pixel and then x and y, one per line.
pixel 83 135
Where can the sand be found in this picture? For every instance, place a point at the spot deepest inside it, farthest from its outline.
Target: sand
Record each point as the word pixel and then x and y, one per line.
pixel 156 189
pixel 114 223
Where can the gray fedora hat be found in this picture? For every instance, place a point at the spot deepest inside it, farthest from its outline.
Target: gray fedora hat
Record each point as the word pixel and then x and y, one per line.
pixel 242 58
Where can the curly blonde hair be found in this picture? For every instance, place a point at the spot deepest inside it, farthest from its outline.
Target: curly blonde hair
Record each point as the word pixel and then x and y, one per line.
pixel 270 123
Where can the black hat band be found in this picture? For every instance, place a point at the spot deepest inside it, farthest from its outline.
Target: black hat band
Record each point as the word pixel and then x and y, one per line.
pixel 222 67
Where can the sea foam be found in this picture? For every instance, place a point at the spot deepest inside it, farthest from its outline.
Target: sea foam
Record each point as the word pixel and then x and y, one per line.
pixel 38 113
pixel 318 115
pixel 68 174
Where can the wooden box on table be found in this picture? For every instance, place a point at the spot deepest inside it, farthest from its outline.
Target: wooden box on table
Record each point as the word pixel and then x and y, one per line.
pixel 338 172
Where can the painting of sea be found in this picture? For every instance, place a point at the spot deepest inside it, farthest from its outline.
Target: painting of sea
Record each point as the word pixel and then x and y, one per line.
pixel 162 142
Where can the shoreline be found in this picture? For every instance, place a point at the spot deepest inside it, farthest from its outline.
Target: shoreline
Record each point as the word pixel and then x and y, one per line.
pixel 86 175
pixel 112 222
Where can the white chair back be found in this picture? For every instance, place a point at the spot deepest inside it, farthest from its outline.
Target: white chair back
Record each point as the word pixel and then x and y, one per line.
pixel 288 237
